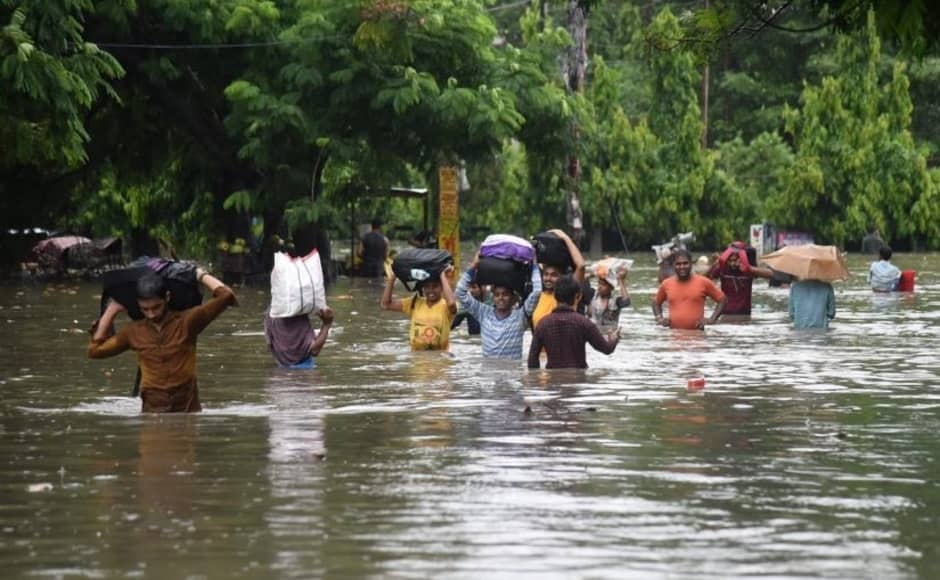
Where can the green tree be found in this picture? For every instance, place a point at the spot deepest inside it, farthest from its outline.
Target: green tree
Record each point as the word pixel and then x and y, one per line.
pixel 51 79
pixel 760 168
pixel 856 161
pixel 915 26
pixel 396 84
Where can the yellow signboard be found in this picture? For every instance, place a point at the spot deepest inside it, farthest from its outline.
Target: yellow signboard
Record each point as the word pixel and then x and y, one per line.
pixel 448 225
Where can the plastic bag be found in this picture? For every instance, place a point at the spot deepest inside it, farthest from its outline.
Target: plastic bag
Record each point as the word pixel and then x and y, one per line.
pixel 296 285
pixel 610 269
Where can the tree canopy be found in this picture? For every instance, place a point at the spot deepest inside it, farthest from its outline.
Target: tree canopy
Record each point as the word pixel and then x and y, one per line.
pixel 195 120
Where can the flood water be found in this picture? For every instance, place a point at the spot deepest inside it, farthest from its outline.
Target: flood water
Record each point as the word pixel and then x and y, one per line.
pixel 807 455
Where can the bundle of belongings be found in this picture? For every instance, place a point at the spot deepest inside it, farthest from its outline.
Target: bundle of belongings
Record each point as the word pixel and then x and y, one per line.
pixel 506 260
pixel 297 285
pixel 678 242
pixel 610 269
pixel 121 285
pixel 415 265
pixel 550 250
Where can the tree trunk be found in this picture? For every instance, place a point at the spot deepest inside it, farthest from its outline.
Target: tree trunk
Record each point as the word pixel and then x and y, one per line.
pixel 573 71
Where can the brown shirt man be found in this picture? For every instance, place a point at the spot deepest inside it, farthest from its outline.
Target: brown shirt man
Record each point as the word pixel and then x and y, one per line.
pixel 166 353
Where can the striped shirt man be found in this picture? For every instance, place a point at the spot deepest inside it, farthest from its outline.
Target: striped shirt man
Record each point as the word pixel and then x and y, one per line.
pixel 501 335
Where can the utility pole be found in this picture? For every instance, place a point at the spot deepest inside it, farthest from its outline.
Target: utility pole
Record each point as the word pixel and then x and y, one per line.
pixel 705 82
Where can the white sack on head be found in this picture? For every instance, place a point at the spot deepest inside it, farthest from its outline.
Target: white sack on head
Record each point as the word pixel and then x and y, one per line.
pixel 296 285
pixel 610 269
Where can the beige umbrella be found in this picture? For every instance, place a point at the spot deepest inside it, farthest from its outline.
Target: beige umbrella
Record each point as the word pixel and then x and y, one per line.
pixel 810 262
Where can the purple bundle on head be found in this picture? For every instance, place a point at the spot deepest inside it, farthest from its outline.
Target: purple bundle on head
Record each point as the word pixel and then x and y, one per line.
pixel 507 247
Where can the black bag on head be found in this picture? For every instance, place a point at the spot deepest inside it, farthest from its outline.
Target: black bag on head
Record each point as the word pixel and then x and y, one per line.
pixel 121 285
pixel 550 250
pixel 500 272
pixel 431 261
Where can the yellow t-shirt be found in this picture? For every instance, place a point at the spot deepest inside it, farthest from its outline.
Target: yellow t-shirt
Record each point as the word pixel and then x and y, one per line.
pixel 430 325
pixel 546 304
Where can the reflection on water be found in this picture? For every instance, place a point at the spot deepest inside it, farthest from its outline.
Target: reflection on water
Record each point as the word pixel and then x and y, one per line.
pixel 805 455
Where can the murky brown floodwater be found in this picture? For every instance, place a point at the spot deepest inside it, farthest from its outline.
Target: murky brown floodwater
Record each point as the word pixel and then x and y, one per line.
pixel 806 456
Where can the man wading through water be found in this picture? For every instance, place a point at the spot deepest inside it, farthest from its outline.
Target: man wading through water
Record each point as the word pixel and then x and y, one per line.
pixel 165 341
pixel 686 292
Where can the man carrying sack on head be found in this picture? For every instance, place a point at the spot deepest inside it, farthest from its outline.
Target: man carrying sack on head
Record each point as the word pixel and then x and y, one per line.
pixel 165 341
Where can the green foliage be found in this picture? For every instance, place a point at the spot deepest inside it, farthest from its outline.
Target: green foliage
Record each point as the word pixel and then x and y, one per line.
pixel 502 199
pixel 337 100
pixel 651 175
pixel 157 207
pixel 51 78
pixel 856 162
pixel 912 25
pixel 760 168
pixel 376 88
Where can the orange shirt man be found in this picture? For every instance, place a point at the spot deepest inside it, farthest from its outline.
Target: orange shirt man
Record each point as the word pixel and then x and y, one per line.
pixel 686 292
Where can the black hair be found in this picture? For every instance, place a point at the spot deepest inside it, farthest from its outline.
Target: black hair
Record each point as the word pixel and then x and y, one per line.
pixel 885 252
pixel 566 290
pixel 563 270
pixel 515 294
pixel 681 252
pixel 151 285
pixel 376 223
pixel 420 284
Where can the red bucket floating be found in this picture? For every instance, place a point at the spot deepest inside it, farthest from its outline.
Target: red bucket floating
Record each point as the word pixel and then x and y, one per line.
pixel 906 283
pixel 696 384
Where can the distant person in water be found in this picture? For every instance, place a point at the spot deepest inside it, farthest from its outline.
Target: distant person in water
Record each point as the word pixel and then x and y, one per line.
pixel 423 239
pixel 431 313
pixel 479 294
pixel 685 293
pixel 735 273
pixel 373 249
pixel 564 333
pixel 165 341
pixel 872 241
pixel 883 276
pixel 292 340
pixel 812 304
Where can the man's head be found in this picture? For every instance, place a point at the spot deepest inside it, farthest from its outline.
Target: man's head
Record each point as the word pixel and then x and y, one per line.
pixel 734 261
pixel 567 290
pixel 376 223
pixel 550 277
pixel 152 296
pixel 604 288
pixel 504 298
pixel 885 253
pixel 477 291
pixel 682 262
